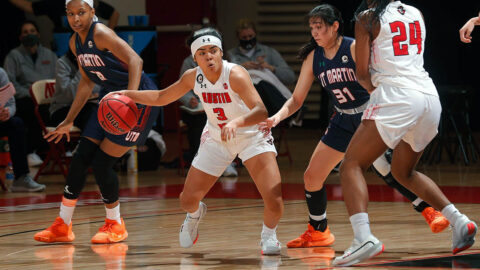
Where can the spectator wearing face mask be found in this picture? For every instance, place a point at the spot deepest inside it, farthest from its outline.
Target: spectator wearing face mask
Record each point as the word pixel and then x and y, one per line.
pixel 24 65
pixel 268 70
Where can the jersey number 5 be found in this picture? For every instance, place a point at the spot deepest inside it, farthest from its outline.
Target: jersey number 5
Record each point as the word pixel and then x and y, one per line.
pixel 415 37
pixel 220 116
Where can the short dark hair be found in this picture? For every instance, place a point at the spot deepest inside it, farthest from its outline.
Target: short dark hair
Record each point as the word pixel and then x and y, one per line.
pixel 203 32
pixel 28 22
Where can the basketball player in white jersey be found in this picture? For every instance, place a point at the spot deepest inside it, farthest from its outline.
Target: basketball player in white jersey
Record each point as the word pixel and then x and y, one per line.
pixel 403 114
pixel 467 29
pixel 233 109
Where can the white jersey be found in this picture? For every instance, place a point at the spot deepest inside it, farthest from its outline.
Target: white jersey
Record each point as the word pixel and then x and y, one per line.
pixel 397 52
pixel 221 103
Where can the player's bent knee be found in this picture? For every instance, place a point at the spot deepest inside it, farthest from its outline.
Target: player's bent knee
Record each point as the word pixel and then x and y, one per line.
pixel 275 205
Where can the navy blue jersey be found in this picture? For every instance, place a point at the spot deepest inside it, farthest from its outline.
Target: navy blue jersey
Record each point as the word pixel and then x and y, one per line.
pixel 337 76
pixel 102 67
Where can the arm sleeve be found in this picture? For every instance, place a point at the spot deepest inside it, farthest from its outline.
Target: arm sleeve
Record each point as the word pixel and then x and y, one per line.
pixel 282 70
pixel 12 68
pixel 104 10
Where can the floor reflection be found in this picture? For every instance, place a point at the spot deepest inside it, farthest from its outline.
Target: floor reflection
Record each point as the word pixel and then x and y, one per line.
pixel 60 256
pixel 112 254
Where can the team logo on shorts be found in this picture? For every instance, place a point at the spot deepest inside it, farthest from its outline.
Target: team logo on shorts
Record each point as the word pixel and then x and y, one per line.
pixel 401 10
pixel 200 78
pixel 90 44
pixel 344 59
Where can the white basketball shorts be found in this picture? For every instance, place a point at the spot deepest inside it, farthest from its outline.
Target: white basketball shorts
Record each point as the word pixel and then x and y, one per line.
pixel 214 156
pixel 404 114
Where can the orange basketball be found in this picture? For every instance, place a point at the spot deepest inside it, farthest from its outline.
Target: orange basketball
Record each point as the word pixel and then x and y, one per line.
pixel 117 114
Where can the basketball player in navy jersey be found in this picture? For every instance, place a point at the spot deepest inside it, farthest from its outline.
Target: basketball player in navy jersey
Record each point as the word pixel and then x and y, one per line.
pixel 106 60
pixel 403 114
pixel 330 57
pixel 233 109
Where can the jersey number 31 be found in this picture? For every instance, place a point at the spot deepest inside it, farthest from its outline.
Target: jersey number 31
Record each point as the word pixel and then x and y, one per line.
pixel 415 37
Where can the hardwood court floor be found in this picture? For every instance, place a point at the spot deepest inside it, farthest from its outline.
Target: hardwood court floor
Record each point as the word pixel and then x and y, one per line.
pixel 230 232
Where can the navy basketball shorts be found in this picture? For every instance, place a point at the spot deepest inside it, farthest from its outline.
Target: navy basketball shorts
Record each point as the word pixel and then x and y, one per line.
pixel 138 135
pixel 340 130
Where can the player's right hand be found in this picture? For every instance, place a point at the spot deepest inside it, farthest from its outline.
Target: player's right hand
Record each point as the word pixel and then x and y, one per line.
pixel 57 134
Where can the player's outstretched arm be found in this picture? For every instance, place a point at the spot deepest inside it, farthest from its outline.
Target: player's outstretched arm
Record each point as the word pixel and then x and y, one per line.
pixel 165 96
pixel 300 92
pixel 466 30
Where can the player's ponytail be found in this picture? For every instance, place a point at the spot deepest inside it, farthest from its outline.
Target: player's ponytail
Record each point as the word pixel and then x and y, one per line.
pixel 329 15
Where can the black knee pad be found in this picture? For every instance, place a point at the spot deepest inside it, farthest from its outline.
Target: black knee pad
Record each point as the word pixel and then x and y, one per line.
pixel 77 174
pixel 106 177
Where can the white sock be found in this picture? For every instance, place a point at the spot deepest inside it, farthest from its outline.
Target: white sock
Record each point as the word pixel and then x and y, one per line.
pixel 417 201
pixel 66 213
pixel 114 214
pixel 451 213
pixel 267 232
pixel 195 214
pixel 361 226
pixel 318 218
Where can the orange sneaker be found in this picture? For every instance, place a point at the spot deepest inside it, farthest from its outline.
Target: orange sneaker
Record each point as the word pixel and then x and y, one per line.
pixel 58 232
pixel 312 238
pixel 435 219
pixel 110 232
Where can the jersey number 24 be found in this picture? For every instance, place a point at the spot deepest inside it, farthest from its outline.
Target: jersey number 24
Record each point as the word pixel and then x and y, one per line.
pixel 400 47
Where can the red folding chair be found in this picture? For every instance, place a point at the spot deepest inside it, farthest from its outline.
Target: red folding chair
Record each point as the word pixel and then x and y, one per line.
pixel 42 94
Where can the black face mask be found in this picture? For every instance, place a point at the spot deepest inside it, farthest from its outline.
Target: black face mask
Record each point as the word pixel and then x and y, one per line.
pixel 248 44
pixel 30 40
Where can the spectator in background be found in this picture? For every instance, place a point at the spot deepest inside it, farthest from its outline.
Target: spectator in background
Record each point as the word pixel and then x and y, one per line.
pixel 24 65
pixel 265 65
pixel 12 127
pixel 55 9
pixel 67 78
pixel 194 117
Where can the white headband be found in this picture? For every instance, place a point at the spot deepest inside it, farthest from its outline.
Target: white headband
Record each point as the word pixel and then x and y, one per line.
pixel 89 2
pixel 205 40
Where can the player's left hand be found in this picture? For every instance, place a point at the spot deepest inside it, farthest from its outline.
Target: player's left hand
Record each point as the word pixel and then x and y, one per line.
pixel 229 131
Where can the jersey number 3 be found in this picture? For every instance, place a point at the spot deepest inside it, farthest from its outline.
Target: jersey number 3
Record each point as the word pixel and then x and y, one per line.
pixel 220 116
pixel 415 37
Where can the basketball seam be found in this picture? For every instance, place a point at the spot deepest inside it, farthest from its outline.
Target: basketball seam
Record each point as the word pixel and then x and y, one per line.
pixel 119 117
pixel 105 126
pixel 128 105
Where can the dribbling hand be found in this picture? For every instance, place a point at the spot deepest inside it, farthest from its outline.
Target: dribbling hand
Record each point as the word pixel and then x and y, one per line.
pixel 57 134
pixel 122 93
